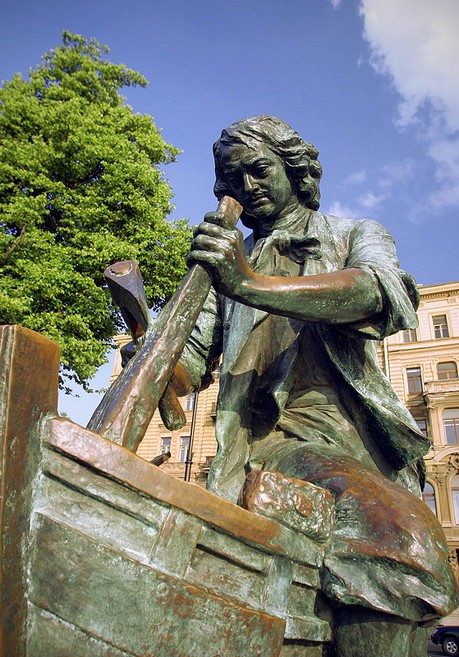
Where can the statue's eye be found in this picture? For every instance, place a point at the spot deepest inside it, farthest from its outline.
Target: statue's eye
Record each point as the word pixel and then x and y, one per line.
pixel 260 169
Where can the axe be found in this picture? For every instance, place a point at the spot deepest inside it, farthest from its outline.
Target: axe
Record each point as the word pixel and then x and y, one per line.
pixel 127 407
pixel 126 287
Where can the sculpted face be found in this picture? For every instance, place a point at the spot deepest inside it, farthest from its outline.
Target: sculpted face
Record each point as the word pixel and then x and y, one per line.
pixel 256 178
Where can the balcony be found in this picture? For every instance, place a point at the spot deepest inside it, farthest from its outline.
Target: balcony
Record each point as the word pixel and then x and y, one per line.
pixel 441 387
pixel 441 392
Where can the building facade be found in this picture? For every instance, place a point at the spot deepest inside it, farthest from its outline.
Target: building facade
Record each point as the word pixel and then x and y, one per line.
pixel 423 367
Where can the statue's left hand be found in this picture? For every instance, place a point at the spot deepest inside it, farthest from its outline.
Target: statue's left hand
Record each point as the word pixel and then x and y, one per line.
pixel 128 352
pixel 219 247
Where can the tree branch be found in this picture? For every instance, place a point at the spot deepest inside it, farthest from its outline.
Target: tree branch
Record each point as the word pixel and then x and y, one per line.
pixel 14 245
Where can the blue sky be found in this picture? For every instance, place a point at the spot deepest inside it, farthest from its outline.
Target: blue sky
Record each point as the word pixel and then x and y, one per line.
pixel 374 84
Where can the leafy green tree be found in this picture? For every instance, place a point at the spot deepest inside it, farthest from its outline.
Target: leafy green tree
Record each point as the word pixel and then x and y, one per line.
pixel 80 188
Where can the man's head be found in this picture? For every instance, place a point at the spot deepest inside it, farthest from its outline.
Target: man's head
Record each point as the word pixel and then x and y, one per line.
pixel 302 167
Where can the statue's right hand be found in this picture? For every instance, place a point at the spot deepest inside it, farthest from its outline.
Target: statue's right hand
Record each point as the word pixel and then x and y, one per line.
pixel 219 247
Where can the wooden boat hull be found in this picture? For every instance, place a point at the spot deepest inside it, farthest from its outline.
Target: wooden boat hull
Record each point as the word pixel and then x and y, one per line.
pixel 105 555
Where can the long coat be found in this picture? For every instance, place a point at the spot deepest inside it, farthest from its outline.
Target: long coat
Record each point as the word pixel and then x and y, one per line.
pixel 225 327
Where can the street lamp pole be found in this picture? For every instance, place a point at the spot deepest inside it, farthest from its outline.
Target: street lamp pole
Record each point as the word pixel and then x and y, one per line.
pixel 189 455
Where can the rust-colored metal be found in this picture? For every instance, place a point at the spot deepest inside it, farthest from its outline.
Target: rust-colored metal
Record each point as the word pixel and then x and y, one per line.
pixel 145 550
pixel 292 502
pixel 102 554
pixel 26 395
pixel 126 286
pixel 127 408
pixel 161 458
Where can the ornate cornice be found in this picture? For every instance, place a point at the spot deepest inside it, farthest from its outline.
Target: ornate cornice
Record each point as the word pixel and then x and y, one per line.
pixel 442 290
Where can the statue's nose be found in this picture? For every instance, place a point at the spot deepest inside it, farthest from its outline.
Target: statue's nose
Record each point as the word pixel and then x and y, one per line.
pixel 249 182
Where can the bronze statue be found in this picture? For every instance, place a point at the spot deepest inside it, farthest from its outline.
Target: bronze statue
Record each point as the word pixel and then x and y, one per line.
pixel 296 310
pixel 332 553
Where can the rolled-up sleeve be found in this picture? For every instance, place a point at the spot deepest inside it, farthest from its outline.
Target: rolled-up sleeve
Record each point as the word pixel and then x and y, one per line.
pixel 372 249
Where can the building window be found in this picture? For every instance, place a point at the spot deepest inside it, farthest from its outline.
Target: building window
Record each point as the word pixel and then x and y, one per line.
pixel 455 496
pixel 189 401
pixel 184 445
pixel 422 425
pixel 409 335
pixel 165 444
pixel 440 326
pixel 447 370
pixel 428 496
pixel 413 376
pixel 451 425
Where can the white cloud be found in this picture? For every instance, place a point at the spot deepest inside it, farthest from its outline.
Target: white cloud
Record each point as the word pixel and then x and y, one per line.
pixel 395 174
pixel 445 152
pixel 416 43
pixel 337 209
pixel 370 201
pixel 335 3
pixel 366 205
pixel 356 178
pixel 386 182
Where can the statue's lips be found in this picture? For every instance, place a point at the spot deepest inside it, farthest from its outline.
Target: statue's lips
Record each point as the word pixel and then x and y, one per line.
pixel 257 201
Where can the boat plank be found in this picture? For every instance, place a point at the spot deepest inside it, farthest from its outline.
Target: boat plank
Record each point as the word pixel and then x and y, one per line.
pixel 96 519
pixel 25 397
pixel 50 636
pixel 96 486
pixel 137 609
pixel 228 579
pixel 229 547
pixel 176 543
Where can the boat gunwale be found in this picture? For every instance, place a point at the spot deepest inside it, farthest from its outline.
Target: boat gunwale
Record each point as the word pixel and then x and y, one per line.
pixel 116 462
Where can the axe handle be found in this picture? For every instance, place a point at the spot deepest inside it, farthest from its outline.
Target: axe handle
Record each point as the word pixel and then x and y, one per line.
pixel 128 406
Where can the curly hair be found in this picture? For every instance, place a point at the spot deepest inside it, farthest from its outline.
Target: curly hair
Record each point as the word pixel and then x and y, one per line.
pixel 300 157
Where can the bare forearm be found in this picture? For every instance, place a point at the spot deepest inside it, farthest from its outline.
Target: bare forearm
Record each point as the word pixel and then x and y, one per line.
pixel 349 295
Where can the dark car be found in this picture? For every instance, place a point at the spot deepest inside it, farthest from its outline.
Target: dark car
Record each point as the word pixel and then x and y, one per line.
pixel 448 637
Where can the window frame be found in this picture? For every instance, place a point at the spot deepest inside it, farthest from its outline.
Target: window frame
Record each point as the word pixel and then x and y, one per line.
pixel 411 378
pixel 442 326
pixel 455 497
pixel 422 420
pixel 184 448
pixel 163 439
pixel 190 401
pixel 452 369
pixel 448 422
pixel 430 498
pixel 409 335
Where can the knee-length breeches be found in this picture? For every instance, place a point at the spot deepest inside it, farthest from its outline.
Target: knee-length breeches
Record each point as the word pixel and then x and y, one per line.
pixel 387 551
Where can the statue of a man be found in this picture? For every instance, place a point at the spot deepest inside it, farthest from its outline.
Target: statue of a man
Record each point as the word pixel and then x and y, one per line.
pixel 296 311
